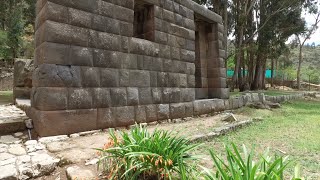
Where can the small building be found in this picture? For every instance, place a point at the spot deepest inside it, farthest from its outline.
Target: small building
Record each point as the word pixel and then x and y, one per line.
pixel 113 63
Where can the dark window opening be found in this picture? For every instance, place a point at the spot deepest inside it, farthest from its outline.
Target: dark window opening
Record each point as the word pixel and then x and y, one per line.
pixel 143 24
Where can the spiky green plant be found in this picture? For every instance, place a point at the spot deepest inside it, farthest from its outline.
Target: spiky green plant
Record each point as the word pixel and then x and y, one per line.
pixel 143 155
pixel 243 167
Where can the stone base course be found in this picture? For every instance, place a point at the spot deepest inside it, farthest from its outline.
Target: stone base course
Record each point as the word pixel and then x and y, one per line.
pixel 72 121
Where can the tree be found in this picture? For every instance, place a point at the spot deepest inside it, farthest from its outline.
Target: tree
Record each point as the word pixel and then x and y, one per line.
pixel 301 39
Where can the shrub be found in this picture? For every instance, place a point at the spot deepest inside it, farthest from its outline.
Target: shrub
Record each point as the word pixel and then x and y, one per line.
pixel 143 155
pixel 237 167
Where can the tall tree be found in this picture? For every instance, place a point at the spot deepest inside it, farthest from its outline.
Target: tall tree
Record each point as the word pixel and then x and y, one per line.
pixel 301 39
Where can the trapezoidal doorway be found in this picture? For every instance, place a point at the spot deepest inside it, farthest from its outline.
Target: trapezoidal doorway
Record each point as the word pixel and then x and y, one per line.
pixel 210 71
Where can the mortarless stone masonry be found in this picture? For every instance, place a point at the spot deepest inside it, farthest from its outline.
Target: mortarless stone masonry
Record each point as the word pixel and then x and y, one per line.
pixel 111 63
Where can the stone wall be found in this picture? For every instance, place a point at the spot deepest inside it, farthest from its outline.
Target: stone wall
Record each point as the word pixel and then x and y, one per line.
pixel 110 63
pixel 22 83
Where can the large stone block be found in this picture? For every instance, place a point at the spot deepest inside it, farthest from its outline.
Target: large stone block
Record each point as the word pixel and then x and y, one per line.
pixel 105 118
pixel 143 47
pixel 48 99
pixel 52 53
pixel 52 11
pixel 189 109
pixel 123 14
pixel 139 78
pixel 157 95
pixel 23 70
pixel 90 76
pixel 133 96
pixel 187 94
pixel 202 107
pixel 50 75
pixel 177 110
pixel 219 105
pixel 145 96
pixel 109 77
pixel 163 111
pixel 62 33
pixel 51 123
pixel 101 98
pixel 187 55
pixel 125 116
pixel 140 114
pixel 105 24
pixel 79 98
pixel 108 41
pixel 151 112
pixel 81 56
pixel 79 18
pixel 118 97
pixel 108 59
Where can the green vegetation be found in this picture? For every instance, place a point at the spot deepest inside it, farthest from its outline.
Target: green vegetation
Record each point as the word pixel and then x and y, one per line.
pixel 243 167
pixel 6 97
pixel 292 130
pixel 143 155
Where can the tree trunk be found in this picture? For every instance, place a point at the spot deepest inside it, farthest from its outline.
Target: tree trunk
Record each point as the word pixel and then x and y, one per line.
pixel 299 67
pixel 272 72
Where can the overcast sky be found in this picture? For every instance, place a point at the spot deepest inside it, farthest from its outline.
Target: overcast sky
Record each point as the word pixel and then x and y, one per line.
pixel 316 36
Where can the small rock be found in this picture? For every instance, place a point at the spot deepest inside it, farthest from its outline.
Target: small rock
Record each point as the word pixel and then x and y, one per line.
pixel 274 105
pixel 43 164
pixel 31 142
pixel 17 149
pixel 76 172
pixel 229 118
pixel 5 156
pixel 8 172
pixel 8 161
pixel 3 146
pixel 59 146
pixel 92 162
pixel 8 139
pixel 74 135
pixel 46 140
pixel 18 134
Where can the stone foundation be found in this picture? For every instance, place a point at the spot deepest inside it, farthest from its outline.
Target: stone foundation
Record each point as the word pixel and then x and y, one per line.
pixel 103 63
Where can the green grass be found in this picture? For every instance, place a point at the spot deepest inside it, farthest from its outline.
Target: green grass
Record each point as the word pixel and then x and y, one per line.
pixel 6 97
pixel 267 92
pixel 293 130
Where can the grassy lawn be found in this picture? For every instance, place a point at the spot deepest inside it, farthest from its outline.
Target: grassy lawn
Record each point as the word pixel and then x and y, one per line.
pixel 266 92
pixel 6 97
pixel 293 130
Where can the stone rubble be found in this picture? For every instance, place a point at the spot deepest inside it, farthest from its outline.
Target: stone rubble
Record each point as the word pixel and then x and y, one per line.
pixel 76 172
pixel 24 160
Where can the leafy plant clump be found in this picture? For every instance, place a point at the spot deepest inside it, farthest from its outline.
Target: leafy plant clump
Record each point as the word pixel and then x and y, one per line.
pixel 143 155
pixel 237 167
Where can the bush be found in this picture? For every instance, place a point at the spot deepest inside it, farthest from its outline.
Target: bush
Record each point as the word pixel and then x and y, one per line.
pixel 143 155
pixel 237 167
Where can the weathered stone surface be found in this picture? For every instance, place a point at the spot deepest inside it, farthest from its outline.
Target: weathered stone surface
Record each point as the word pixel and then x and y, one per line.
pixel 8 139
pixel 76 172
pixel 120 62
pixel 8 172
pixel 16 149
pixel 23 69
pixel 163 111
pixel 229 118
pixel 46 140
pixel 43 164
pixel 202 107
pixel 177 110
